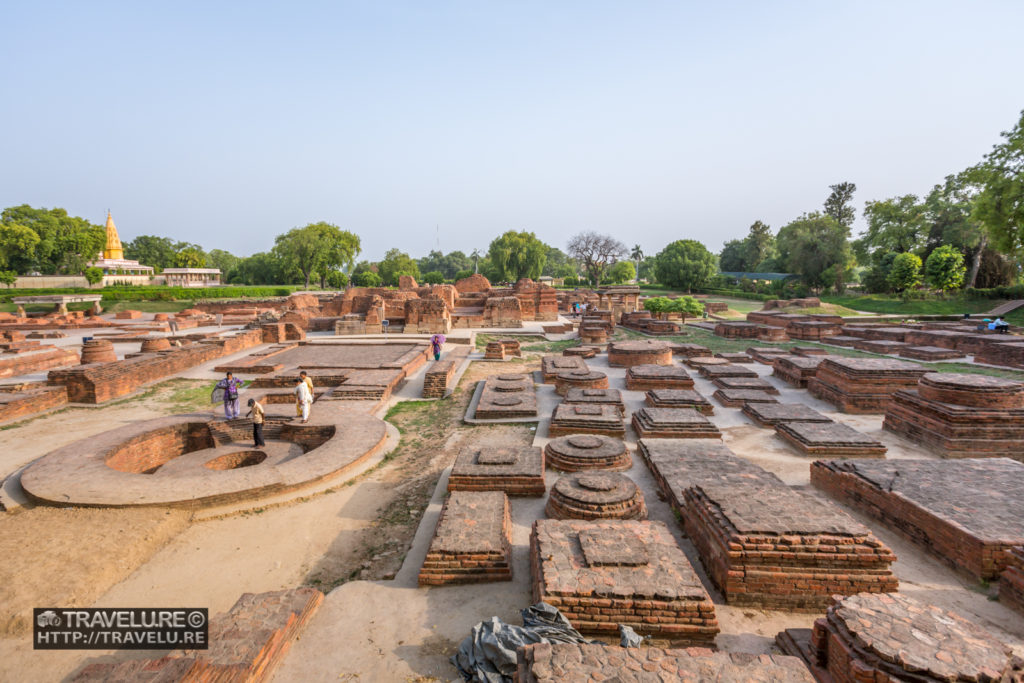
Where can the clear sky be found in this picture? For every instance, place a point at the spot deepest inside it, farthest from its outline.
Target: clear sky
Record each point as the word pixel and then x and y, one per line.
pixel 228 123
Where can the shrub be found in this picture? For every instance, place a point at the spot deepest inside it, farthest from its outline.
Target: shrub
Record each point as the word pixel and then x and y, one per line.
pixel 336 279
pixel 367 278
pixel 93 275
pixel 906 272
pixel 945 268
pixel 434 277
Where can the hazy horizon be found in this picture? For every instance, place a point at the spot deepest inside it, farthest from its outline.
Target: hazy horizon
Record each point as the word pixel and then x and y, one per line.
pixel 652 121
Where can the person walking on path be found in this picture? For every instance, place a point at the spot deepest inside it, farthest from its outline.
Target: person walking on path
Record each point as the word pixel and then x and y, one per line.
pixel 229 386
pixel 256 410
pixel 435 345
pixel 303 397
pixel 309 383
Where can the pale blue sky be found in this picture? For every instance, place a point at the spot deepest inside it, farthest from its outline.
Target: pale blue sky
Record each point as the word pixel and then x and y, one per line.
pixel 228 123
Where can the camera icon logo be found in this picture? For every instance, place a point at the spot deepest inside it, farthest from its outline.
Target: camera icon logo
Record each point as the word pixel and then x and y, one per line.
pixel 48 618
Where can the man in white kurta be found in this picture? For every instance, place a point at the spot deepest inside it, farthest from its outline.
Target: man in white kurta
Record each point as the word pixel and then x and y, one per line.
pixel 304 398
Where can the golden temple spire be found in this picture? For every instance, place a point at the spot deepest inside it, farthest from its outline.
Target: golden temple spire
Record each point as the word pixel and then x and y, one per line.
pixel 113 249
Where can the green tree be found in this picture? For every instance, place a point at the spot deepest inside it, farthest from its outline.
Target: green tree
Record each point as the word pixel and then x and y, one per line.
pixel 595 252
pixel 66 242
pixel 263 268
pixel 733 258
pixel 812 244
pixel 446 264
pixel 190 256
pixel 367 278
pixel 150 250
pixel 516 255
pixel 224 260
pixel 637 254
pixel 336 279
pixel 839 204
pixel 876 279
pixel 906 271
pixel 434 277
pixel 685 264
pixel 8 277
pixel 944 270
pixel 949 209
pixel 758 246
pixel 898 224
pixel 397 263
pixel 558 264
pixel 93 275
pixel 621 271
pixel 462 275
pixel 999 206
pixel 17 246
pixel 316 248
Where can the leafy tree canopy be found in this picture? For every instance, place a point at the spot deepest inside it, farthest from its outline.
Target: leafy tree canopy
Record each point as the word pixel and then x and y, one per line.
pixel 812 245
pixel 621 271
pixel 516 255
pixel 685 264
pixel 396 263
pixel 898 224
pixel 999 206
pixel 945 268
pixel 595 252
pixel 839 204
pixel 65 243
pixel 906 271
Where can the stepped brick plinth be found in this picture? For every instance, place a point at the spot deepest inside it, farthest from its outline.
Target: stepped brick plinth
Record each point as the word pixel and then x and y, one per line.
pixel 472 541
pixel 879 346
pixel 771 414
pixel 670 423
pixel 1009 354
pixel 830 438
pixel 511 347
pixel 98 351
pixel 728 370
pixel 550 366
pixel 154 345
pixel 507 396
pixel 863 385
pixel 841 340
pixel 763 543
pixel 495 351
pixel 581 351
pixel 896 334
pixel 591 334
pixel 809 351
pixel 579 379
pixel 647 377
pixel 679 398
pixel 796 370
pixel 967 513
pixel 580 662
pixel 689 350
pixel 737 398
pixel 736 330
pixel 587 452
pixel 596 495
pixel 603 573
pixel 894 637
pixel 1011 581
pixel 946 339
pixel 734 356
pixel 812 330
pixel 516 471
pixel 766 355
pixel 626 354
pixel 438 378
pixel 749 383
pixel 929 353
pixel 961 415
pixel 246 644
pixel 576 418
pixel 612 397
pixel 698 362
pixel 771 333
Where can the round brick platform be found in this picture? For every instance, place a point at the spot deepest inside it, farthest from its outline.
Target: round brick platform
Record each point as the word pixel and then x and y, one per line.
pixel 579 379
pixel 509 383
pixel 98 351
pixel 596 495
pixel 587 452
pixel 976 391
pixel 154 345
pixel 626 354
pixel 593 335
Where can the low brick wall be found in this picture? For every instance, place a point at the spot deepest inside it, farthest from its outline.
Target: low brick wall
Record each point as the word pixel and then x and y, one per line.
pixel 24 400
pixel 438 378
pixel 472 541
pixel 45 358
pixel 1011 582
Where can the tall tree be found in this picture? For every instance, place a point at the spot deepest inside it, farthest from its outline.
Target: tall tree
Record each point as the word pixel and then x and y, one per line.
pixel 896 224
pixel 397 263
pixel 758 246
pixel 150 250
pixel 66 242
pixel 949 211
pixel 906 271
pixel 944 269
pixel 637 254
pixel 999 206
pixel 224 260
pixel 685 264
pixel 839 204
pixel 733 258
pixel 190 256
pixel 316 248
pixel 17 246
pixel 595 252
pixel 816 248
pixel 516 255
pixel 558 263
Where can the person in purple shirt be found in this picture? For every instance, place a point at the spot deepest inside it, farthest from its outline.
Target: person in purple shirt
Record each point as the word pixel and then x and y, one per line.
pixel 230 386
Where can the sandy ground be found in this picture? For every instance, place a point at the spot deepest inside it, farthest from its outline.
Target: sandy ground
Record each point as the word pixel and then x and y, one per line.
pixel 353 539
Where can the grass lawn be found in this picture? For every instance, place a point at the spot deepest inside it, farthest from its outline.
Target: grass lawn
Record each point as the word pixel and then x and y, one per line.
pixel 144 306
pixel 878 303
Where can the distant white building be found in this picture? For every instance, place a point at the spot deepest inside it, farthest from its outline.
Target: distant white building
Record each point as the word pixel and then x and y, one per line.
pixel 191 277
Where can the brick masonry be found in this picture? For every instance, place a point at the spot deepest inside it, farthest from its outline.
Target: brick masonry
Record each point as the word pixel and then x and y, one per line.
pixel 673 423
pixel 771 414
pixel 507 396
pixel 679 398
pixel 24 362
pixel 829 439
pixel 586 662
pixel 970 530
pixel 892 637
pixel 625 354
pixel 516 471
pixel 611 397
pixel 796 370
pixel 648 377
pixel 472 541
pixel 576 418
pixel 438 378
pixel 862 385
pixel 737 398
pixel 552 365
pixel 596 495
pixel 600 574
pixel 579 379
pixel 1011 581
pixel 22 400
pixel 246 644
pixel 587 452
pixel 745 383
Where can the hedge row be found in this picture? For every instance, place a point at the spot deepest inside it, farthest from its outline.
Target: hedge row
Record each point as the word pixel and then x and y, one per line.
pixel 739 294
pixel 112 294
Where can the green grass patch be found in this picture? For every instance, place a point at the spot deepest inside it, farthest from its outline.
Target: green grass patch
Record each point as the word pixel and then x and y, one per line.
pixel 878 303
